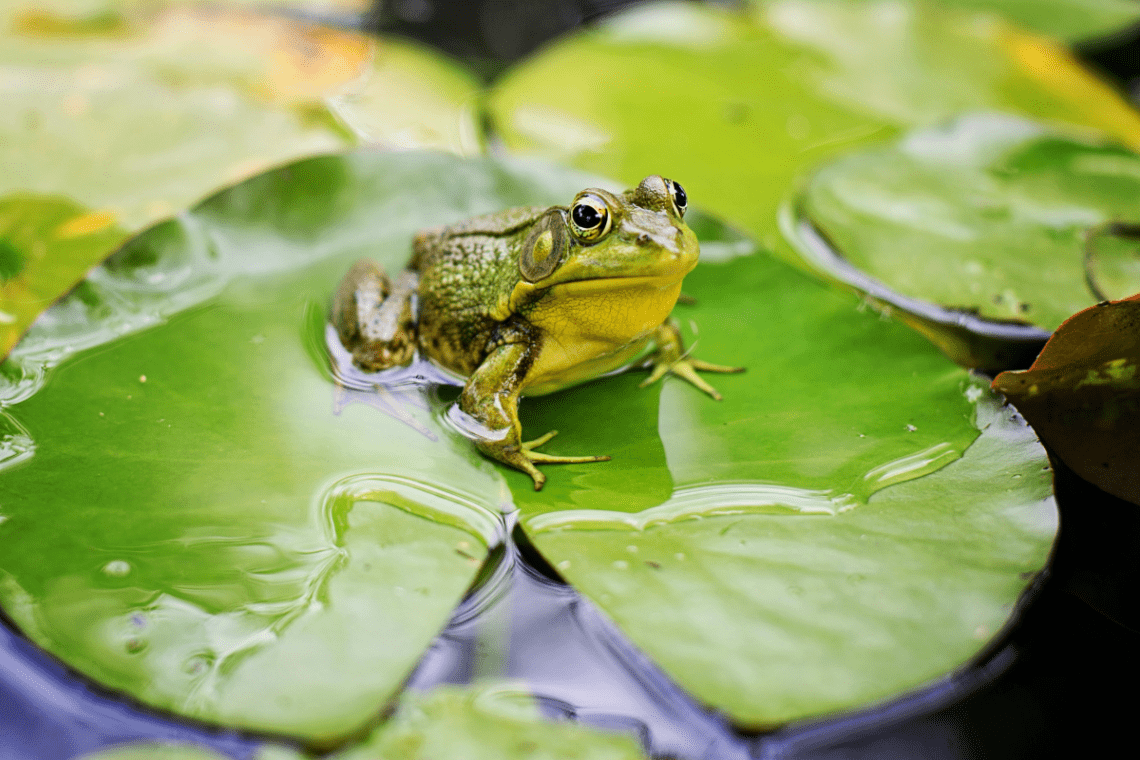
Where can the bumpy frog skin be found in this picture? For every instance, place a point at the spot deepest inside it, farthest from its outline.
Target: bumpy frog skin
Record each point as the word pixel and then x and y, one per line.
pixel 530 301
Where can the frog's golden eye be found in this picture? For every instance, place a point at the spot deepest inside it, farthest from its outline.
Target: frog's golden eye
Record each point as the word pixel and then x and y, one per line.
pixel 590 218
pixel 679 196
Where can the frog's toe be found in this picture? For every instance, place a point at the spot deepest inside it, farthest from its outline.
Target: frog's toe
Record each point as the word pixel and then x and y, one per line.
pixel 528 450
pixel 687 369
pixel 697 364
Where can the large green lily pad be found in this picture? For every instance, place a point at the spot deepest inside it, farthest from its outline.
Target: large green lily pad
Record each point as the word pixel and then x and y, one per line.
pixel 988 216
pixel 856 518
pixel 242 506
pixel 751 102
pixel 197 513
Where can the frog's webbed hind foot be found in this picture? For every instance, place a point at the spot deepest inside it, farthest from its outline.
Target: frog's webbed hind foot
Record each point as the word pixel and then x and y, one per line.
pixel 525 458
pixel 671 359
pixel 374 317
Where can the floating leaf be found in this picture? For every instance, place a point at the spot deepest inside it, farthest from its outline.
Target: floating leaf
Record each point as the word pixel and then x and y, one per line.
pixel 47 244
pixel 985 220
pixel 233 534
pixel 492 722
pixel 259 503
pixel 755 101
pixel 1082 395
pixel 153 751
pixel 833 533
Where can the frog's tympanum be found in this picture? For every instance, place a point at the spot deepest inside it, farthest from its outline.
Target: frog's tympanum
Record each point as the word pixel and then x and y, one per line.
pixel 530 301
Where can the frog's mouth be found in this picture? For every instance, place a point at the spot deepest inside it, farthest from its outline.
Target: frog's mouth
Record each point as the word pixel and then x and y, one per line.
pixel 595 285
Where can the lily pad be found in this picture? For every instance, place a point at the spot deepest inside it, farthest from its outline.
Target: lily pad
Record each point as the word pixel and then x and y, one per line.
pixel 754 101
pixel 856 518
pixel 233 534
pixel 1082 395
pixel 140 110
pixel 47 244
pixel 154 751
pixel 985 219
pixel 241 504
pixel 490 721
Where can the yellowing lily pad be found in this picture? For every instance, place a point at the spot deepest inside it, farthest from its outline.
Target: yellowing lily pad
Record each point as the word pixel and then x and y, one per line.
pixel 1082 395
pixel 47 244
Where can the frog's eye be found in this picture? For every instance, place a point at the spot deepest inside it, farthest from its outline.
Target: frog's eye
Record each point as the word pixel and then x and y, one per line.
pixel 590 218
pixel 679 196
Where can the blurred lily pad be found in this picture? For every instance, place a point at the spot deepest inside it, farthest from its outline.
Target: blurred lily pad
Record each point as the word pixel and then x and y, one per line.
pixel 142 108
pixel 979 226
pixel 492 722
pixel 753 101
pixel 1082 395
pixel 251 496
pixel 154 751
pixel 1070 20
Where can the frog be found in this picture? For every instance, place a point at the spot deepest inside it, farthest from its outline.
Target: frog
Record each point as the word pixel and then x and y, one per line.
pixel 530 301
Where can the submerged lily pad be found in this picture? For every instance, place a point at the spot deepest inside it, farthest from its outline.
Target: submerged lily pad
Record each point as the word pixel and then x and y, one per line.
pixel 222 500
pixel 987 218
pixel 492 722
pixel 754 101
pixel 1082 395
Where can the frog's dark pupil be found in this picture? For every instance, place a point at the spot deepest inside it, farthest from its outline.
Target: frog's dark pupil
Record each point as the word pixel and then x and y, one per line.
pixel 680 196
pixel 586 216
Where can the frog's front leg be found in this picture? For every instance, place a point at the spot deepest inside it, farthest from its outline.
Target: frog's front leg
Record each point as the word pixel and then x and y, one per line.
pixel 491 399
pixel 670 357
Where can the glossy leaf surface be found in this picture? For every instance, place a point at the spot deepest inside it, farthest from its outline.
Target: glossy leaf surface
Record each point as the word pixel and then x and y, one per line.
pixel 198 513
pixel 754 101
pixel 1082 395
pixel 250 509
pixel 989 215
pixel 834 532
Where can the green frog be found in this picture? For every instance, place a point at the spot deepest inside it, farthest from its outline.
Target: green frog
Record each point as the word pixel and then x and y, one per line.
pixel 529 301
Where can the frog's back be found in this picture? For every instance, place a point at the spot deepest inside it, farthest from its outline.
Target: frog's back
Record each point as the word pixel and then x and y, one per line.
pixel 467 272
pixel 436 242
